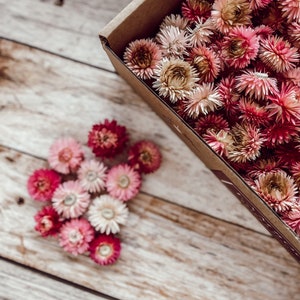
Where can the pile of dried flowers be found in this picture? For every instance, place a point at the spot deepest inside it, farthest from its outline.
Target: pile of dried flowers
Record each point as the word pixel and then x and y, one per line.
pixel 86 199
pixel 231 70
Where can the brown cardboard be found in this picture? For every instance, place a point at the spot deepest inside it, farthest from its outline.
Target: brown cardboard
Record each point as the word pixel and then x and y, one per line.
pixel 140 19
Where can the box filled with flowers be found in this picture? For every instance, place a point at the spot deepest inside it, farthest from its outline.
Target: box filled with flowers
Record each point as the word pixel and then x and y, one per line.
pixel 225 75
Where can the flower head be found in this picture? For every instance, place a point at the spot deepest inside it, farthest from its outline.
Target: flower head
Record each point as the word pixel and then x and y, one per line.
pixel 293 75
pixel 105 249
pixel 47 221
pixel 292 218
pixel 204 99
pixel 296 172
pixel 65 155
pixel 141 57
pixel 107 139
pixel 175 20
pixel 277 189
pixel 264 166
pixel 106 214
pixel 70 200
pixel 123 182
pixel 75 236
pixel 42 184
pixel 278 54
pixel 205 62
pixel 144 156
pixel 193 9
pixel 294 33
pixel 240 46
pixel 175 79
pixel 92 176
pixel 211 122
pixel 290 9
pixel 228 14
pixel 258 4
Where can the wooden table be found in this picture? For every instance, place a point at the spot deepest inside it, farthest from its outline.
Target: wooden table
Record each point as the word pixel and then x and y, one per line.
pixel 187 237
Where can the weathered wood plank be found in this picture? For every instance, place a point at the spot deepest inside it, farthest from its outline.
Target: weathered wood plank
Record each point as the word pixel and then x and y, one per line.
pixel 22 283
pixel 70 30
pixel 44 97
pixel 169 252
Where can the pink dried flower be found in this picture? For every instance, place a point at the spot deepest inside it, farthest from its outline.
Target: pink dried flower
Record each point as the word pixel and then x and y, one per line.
pixel 106 214
pixel 296 172
pixel 253 113
pixel 193 9
pixel 107 139
pixel 123 182
pixel 141 57
pixel 247 143
pixel 290 157
pixel 76 235
pixel 92 176
pixel 204 99
pixel 173 41
pixel 293 76
pixel 263 31
pixel 42 184
pixel 175 79
pixel 239 47
pixel 285 106
pixel 278 54
pixel 290 9
pixel 294 33
pixel 257 4
pixel 277 189
pixel 219 141
pixel 205 62
pixel 175 20
pixel 256 84
pixel 201 32
pixel 211 122
pixel 144 156
pixel 292 218
pixel 47 221
pixel 65 155
pixel 70 200
pixel 264 166
pixel 228 14
pixel 105 249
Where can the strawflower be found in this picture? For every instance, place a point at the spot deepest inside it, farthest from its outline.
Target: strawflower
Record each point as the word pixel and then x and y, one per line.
pixel 211 122
pixel 193 9
pixel 175 20
pixel 292 218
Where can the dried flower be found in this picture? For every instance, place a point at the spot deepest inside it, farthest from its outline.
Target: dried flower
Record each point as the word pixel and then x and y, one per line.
pixel 256 84
pixel 228 14
pixel 277 189
pixel 296 172
pixel 175 20
pixel 278 54
pixel 193 9
pixel 290 9
pixel 294 33
pixel 204 99
pixel 144 156
pixel 175 79
pixel 211 122
pixel 106 214
pixel 70 200
pixel 258 4
pixel 65 155
pixel 141 57
pixel 42 184
pixel 173 41
pixel 293 76
pixel 264 166
pixel 75 236
pixel 107 139
pixel 105 249
pixel 205 62
pixel 47 221
pixel 123 182
pixel 292 218
pixel 92 176
pixel 239 47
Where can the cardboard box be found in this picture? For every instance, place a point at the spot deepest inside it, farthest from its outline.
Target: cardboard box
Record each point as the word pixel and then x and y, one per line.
pixel 141 19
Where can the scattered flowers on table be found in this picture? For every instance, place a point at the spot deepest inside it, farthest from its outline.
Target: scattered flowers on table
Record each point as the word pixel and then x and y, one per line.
pixel 231 70
pixel 86 200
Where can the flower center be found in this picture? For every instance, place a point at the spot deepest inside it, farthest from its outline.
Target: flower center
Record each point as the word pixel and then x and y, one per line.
pixel 123 181
pixel 142 58
pixel 65 155
pixel 42 184
pixel 105 250
pixel 91 176
pixel 107 213
pixel 75 236
pixel 236 48
pixel 145 157
pixel 202 64
pixel 106 138
pixel 46 223
pixel 70 199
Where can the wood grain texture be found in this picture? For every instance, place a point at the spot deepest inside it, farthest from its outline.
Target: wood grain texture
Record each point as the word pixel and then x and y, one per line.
pixel 70 30
pixel 22 283
pixel 169 252
pixel 44 97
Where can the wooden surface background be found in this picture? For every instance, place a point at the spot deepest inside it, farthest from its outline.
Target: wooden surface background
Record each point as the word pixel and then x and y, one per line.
pixel 187 237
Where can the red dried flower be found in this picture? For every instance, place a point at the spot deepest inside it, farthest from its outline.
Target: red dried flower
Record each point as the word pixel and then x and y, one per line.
pixel 105 249
pixel 193 9
pixel 264 166
pixel 47 221
pixel 107 139
pixel 211 122
pixel 42 184
pixel 144 156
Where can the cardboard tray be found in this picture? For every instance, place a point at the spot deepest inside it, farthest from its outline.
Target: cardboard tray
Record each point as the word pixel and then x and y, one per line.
pixel 141 19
